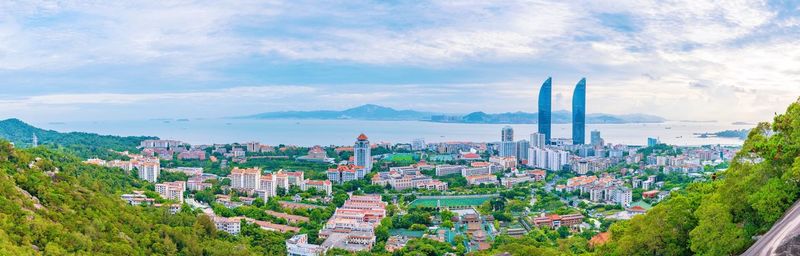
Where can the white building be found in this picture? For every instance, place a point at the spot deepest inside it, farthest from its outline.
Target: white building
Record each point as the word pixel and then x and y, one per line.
pixel 442 170
pixel 171 190
pixel 149 170
pixel 230 225
pixel 319 185
pixel 298 246
pixel 522 150
pixel 507 145
pixel 268 187
pixel 245 179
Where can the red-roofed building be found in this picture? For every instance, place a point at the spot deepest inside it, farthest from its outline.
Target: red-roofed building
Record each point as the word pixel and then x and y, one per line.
pixel 319 185
pixel 556 221
pixel 650 194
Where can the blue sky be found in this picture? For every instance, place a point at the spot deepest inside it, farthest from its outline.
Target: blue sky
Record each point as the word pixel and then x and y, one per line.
pixel 701 60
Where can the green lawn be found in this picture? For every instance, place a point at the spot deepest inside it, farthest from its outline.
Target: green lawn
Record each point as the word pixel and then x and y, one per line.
pixel 450 202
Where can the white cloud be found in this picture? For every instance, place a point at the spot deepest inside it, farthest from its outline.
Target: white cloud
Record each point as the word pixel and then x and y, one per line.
pixel 676 43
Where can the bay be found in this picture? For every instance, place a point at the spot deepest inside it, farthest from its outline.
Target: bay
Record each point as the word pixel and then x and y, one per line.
pixel 308 132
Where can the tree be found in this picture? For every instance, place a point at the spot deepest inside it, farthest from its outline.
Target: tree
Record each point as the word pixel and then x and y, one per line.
pixel 418 227
pixel 716 234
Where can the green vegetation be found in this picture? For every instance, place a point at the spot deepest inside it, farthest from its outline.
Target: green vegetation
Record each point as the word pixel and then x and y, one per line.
pixel 52 204
pixel 85 145
pixel 450 201
pixel 718 218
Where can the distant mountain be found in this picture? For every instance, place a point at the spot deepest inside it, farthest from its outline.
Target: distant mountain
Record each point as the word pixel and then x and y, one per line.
pixel 558 117
pixel 380 113
pixel 364 112
pixel 83 144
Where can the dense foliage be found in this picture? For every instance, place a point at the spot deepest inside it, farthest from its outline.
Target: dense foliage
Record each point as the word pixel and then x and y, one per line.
pixel 719 218
pixel 52 204
pixel 83 144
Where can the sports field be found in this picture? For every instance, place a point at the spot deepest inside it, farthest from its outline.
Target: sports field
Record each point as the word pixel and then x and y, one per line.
pixel 450 201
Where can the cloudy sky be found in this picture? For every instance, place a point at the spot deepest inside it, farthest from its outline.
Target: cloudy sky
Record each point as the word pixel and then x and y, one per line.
pixel 100 60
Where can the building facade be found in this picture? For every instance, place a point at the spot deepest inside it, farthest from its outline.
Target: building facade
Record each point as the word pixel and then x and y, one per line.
pixel 545 110
pixel 579 113
pixel 363 153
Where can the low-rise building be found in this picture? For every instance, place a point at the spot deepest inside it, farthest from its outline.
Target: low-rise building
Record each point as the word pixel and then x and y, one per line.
pixel 319 185
pixel 298 246
pixel 481 179
pixel 137 198
pixel 230 225
pixel 556 221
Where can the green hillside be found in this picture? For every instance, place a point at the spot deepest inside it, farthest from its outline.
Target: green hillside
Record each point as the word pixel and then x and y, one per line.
pixel 81 143
pixel 51 204
pixel 720 217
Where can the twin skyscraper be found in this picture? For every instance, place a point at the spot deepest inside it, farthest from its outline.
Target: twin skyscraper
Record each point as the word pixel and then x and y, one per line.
pixel 578 111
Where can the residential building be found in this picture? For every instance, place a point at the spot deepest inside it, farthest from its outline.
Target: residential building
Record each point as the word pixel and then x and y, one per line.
pixel 268 186
pixel 596 139
pixel 245 179
pixel 230 225
pixel 253 146
pixel 344 173
pixel 149 169
pixel 192 155
pixel 319 185
pixel 538 140
pixel 137 198
pixel 522 151
pixel 171 190
pixel 507 145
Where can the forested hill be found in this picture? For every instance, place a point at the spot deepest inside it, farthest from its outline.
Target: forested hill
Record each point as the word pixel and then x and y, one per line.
pixel 51 204
pixel 721 217
pixel 81 143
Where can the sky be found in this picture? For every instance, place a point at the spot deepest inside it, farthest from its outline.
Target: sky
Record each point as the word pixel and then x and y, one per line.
pixel 725 60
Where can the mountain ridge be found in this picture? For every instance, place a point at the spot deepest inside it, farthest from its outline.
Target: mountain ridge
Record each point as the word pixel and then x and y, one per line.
pixel 375 112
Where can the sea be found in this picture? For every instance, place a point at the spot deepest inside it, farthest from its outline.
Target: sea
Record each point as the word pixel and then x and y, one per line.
pixel 309 132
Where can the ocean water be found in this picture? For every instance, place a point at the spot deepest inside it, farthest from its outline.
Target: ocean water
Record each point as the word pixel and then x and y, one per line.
pixel 307 132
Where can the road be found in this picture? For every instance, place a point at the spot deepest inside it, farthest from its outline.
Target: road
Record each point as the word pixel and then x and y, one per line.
pixel 783 230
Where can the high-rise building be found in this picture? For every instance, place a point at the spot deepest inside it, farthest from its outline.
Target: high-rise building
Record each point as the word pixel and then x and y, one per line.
pixel 652 142
pixel 522 150
pixel 244 179
pixel 596 139
pixel 362 152
pixel 545 110
pixel 149 169
pixel 35 141
pixel 418 144
pixel 579 113
pixel 507 145
pixel 538 140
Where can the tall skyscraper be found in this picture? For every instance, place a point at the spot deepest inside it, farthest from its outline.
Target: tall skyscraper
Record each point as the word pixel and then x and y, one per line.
pixel 538 140
pixel 596 139
pixel 363 152
pixel 507 145
pixel 35 141
pixel 579 113
pixel 545 110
